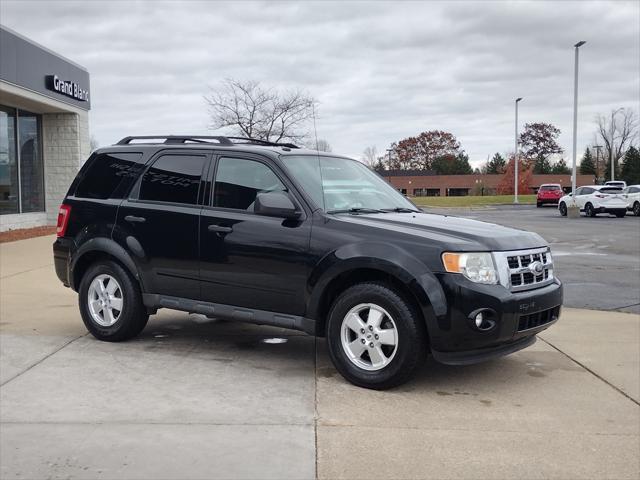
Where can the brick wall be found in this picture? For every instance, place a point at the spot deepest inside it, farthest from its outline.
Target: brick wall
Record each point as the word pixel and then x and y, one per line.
pixel 474 182
pixel 65 148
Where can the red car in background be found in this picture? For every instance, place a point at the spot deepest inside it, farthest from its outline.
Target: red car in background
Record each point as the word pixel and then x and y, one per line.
pixel 549 193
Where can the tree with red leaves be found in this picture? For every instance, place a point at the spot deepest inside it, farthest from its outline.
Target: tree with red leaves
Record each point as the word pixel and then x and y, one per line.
pixel 506 185
pixel 418 153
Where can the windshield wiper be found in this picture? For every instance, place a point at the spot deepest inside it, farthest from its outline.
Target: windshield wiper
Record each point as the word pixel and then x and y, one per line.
pixel 401 210
pixel 357 210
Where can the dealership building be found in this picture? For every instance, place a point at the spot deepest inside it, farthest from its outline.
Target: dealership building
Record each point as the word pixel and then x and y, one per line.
pixel 44 130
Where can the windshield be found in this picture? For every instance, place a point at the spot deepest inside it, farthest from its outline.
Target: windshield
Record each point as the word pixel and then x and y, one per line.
pixel 344 185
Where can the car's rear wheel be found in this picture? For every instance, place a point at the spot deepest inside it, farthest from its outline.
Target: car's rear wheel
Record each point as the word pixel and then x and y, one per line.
pixel 563 209
pixel 636 209
pixel 538 204
pixel 376 338
pixel 111 303
pixel 620 213
pixel 589 211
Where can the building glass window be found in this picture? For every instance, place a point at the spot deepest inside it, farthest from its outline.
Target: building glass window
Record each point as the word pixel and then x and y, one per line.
pixel 21 165
pixel 8 162
pixel 31 165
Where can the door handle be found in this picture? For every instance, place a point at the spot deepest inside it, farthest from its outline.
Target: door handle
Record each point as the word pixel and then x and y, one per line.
pixel 219 229
pixel 134 219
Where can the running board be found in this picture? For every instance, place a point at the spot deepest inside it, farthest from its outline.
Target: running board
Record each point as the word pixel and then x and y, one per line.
pixel 230 312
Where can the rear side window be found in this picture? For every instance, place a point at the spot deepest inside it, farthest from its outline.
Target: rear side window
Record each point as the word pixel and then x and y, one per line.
pixel 174 179
pixel 106 173
pixel 610 190
pixel 239 181
pixel 546 188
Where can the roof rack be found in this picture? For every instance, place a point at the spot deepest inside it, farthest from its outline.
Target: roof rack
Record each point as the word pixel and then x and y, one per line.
pixel 220 140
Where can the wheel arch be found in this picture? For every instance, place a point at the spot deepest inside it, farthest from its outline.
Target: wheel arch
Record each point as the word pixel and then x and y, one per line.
pixel 100 249
pixel 405 273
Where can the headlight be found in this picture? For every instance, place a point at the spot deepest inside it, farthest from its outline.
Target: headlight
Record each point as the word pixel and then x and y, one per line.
pixel 477 267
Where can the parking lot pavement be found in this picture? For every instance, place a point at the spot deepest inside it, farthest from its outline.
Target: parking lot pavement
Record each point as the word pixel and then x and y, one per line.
pixel 597 259
pixel 189 398
pixel 196 398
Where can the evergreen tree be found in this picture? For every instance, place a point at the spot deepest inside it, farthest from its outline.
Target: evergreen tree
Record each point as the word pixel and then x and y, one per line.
pixel 631 167
pixel 496 165
pixel 541 165
pixel 561 168
pixel 452 165
pixel 587 165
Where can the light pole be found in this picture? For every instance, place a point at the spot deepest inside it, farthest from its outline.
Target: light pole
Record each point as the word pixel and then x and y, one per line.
pixel 515 157
pixel 575 118
pixel 597 148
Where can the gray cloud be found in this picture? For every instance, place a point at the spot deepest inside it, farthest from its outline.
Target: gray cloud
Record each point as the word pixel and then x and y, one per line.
pixel 381 70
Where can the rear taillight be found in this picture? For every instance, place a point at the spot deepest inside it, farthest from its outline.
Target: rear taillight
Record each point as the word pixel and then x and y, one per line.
pixel 63 220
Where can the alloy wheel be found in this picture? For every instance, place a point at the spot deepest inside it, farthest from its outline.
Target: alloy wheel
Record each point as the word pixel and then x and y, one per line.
pixel 105 300
pixel 369 336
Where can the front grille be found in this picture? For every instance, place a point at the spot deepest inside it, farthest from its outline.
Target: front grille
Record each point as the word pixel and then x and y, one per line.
pixel 526 269
pixel 534 320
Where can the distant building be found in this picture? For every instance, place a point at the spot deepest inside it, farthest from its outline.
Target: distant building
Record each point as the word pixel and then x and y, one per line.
pixel 44 130
pixel 418 183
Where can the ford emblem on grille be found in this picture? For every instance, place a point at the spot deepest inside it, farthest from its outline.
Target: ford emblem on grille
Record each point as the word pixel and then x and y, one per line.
pixel 537 268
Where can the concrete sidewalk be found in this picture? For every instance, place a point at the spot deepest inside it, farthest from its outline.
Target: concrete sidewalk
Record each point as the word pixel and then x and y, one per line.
pixel 195 398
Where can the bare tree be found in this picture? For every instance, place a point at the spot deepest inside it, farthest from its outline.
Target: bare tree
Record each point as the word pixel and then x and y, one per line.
pixel 616 133
pixel 322 145
pixel 254 111
pixel 370 156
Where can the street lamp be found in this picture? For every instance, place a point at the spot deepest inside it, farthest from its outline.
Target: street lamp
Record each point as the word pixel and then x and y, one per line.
pixel 575 119
pixel 515 159
pixel 389 150
pixel 597 148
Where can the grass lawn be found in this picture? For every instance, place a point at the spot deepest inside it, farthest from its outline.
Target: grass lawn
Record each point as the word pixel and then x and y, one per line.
pixel 471 201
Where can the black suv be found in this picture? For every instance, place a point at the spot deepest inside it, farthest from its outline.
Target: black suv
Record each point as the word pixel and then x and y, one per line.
pixel 246 230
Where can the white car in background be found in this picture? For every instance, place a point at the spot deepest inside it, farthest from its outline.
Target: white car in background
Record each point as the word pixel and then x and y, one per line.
pixel 595 199
pixel 616 183
pixel 632 195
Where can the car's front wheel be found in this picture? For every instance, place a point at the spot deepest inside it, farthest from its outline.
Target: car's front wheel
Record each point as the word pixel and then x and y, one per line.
pixel 376 338
pixel 563 209
pixel 110 302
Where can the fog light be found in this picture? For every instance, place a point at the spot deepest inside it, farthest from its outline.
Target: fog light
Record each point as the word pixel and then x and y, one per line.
pixel 483 319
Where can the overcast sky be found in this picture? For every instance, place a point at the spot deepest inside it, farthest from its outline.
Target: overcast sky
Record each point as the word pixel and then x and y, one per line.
pixel 381 71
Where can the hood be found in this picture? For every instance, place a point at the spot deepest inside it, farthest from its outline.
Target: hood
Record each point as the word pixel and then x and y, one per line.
pixel 455 233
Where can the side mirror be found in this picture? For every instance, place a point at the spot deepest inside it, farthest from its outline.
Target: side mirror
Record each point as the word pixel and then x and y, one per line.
pixel 275 204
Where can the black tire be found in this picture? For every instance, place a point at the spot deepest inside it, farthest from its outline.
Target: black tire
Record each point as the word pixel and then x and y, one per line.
pixel 133 317
pixel 589 211
pixel 563 209
pixel 538 204
pixel 621 213
pixel 410 350
pixel 636 209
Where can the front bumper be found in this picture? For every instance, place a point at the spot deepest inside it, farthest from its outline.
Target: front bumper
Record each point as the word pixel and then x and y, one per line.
pixel 518 317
